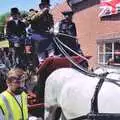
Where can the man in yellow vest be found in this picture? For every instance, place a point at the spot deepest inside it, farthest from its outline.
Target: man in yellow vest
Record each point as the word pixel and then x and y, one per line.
pixel 13 101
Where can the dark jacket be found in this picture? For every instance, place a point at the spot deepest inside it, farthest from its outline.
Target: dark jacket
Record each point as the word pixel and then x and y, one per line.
pixel 42 23
pixel 69 29
pixel 15 29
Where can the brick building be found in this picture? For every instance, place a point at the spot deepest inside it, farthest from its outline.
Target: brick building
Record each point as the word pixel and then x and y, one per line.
pixel 99 37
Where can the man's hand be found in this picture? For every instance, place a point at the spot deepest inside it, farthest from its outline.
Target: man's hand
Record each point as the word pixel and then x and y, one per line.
pixel 51 31
pixel 31 97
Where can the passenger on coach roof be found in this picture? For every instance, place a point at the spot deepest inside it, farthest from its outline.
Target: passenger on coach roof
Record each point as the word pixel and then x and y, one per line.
pixel 67 30
pixel 41 22
pixel 16 28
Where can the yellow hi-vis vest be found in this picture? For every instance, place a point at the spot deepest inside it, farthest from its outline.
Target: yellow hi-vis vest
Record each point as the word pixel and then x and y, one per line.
pixel 12 110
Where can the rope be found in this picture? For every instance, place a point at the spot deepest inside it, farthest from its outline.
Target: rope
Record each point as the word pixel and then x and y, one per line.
pixel 71 49
pixel 59 33
pixel 67 35
pixel 67 46
pixel 85 71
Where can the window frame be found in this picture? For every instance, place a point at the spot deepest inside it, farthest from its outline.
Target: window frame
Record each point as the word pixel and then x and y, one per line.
pixel 104 53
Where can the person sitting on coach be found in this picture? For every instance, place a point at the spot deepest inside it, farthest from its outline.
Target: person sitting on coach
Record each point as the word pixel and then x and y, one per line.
pixel 16 28
pixel 67 32
pixel 41 22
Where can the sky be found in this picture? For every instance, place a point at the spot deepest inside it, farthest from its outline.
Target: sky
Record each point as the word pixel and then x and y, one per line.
pixel 23 5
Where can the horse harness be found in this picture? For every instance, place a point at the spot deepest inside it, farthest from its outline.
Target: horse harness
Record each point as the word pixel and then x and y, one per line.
pixel 94 113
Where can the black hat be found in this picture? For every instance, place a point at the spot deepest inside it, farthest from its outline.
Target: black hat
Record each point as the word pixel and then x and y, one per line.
pixel 14 11
pixel 69 13
pixel 31 10
pixel 45 2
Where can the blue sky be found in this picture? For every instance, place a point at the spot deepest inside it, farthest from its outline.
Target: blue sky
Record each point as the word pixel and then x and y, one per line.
pixel 5 5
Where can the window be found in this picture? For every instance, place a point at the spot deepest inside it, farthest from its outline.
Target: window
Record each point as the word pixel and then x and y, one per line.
pixel 108 51
pixel 117 46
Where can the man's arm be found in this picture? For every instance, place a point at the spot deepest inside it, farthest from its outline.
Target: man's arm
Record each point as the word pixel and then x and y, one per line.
pixel 35 16
pixel 51 21
pixel 39 14
pixel 74 30
pixel 8 28
pixel 24 29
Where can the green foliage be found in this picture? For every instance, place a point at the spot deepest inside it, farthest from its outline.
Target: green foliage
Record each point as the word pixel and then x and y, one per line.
pixel 2 21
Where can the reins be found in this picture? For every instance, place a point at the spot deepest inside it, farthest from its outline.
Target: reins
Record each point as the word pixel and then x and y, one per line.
pixel 61 46
pixel 63 51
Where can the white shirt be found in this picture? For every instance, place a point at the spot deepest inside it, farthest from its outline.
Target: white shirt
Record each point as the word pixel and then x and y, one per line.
pixel 16 21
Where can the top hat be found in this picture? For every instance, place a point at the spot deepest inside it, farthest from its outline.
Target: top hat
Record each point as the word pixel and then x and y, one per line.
pixel 45 2
pixel 14 11
pixel 67 13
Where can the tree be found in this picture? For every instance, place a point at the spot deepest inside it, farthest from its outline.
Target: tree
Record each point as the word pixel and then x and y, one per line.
pixel 2 21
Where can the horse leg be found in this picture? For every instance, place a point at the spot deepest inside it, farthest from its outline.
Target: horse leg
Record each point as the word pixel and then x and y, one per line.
pixel 58 113
pixel 52 113
pixel 55 113
pixel 62 117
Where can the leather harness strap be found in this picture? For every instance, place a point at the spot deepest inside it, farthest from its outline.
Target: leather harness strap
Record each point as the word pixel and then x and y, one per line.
pixel 94 100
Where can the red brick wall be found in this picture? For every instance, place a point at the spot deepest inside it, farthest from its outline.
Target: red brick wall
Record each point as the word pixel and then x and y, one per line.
pixel 89 28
